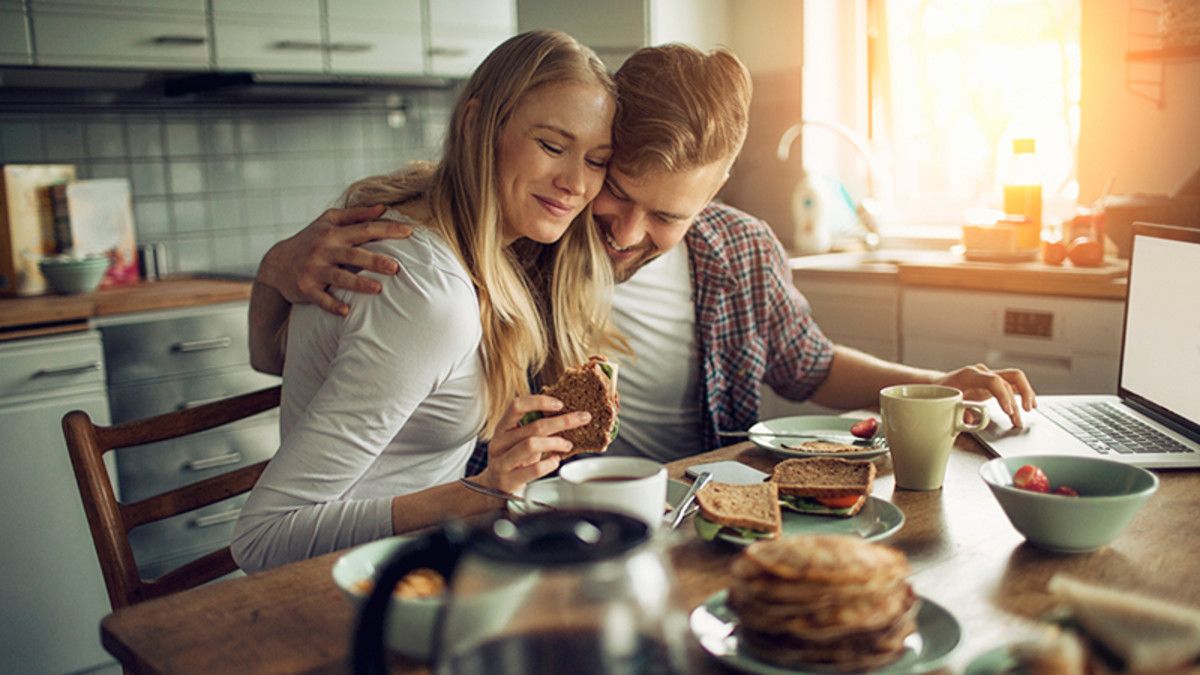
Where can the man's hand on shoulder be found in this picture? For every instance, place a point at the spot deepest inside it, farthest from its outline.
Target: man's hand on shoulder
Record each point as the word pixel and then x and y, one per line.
pixel 305 265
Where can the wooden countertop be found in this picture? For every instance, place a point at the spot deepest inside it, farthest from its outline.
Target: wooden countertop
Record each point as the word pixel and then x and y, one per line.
pixel 945 269
pixel 48 314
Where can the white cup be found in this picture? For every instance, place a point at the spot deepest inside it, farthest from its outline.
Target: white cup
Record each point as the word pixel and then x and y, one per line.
pixel 629 485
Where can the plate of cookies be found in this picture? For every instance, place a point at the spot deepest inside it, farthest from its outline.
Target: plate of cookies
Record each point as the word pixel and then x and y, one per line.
pixel 820 436
pixel 822 604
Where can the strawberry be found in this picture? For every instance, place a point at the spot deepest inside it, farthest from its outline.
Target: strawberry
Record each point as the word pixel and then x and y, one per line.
pixel 1031 478
pixel 865 428
pixel 1066 491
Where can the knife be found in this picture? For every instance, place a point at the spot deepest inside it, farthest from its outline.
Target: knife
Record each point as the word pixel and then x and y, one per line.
pixel 846 439
pixel 682 509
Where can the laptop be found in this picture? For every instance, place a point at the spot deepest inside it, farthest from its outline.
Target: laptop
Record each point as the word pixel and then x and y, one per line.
pixel 1153 420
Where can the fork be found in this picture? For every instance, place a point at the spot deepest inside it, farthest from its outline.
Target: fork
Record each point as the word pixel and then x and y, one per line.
pixel 493 492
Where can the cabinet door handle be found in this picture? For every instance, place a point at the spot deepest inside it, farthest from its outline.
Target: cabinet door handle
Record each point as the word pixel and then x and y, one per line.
pixel 69 370
pixel 213 462
pixel 202 345
pixel 214 519
pixel 298 46
pixel 179 40
pixel 351 47
pixel 448 51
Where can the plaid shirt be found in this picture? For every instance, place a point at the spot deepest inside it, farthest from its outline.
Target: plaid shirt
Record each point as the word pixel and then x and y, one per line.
pixel 752 325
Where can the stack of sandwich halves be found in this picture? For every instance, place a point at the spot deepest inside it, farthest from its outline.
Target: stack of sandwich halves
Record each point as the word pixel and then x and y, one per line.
pixel 836 602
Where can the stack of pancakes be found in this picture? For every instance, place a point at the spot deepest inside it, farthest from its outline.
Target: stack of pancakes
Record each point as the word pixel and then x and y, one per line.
pixel 831 601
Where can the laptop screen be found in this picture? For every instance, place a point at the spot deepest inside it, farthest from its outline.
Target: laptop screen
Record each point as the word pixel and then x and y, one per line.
pixel 1160 360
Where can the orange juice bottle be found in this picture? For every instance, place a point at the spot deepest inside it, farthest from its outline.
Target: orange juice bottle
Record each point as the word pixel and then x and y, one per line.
pixel 1023 192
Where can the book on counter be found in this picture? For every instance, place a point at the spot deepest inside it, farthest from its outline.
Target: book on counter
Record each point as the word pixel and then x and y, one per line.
pixel 96 217
pixel 27 224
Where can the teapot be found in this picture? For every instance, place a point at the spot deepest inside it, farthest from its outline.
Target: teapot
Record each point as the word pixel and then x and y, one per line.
pixel 586 591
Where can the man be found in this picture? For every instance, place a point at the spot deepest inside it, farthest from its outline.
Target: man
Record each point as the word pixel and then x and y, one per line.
pixel 709 321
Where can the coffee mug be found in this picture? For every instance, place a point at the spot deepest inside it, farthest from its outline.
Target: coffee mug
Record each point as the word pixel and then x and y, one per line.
pixel 630 485
pixel 920 422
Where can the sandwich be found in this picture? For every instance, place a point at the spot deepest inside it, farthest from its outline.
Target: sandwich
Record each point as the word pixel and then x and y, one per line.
pixel 745 511
pixel 824 486
pixel 1147 634
pixel 827 602
pixel 591 387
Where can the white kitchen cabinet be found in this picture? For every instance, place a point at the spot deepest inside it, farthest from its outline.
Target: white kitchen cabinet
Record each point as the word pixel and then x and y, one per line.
pixel 14 34
pixel 375 36
pixel 1065 345
pixel 617 28
pixel 164 361
pixel 862 313
pixel 268 35
pixel 53 592
pixel 463 32
pixel 171 35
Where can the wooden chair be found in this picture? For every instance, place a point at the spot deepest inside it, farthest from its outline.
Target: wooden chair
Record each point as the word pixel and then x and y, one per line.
pixel 111 520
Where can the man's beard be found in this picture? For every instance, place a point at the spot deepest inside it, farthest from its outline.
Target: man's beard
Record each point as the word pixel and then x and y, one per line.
pixel 624 271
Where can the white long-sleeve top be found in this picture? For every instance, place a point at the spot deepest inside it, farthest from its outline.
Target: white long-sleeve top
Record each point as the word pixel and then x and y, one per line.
pixel 384 402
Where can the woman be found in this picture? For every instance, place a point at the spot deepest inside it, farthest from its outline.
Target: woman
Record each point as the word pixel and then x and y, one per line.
pixel 381 409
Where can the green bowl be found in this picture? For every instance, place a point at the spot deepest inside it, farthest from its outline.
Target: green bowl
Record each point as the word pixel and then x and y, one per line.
pixel 74 275
pixel 1110 493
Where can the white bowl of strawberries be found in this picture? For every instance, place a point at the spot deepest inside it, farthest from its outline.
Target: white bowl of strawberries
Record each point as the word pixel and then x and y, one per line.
pixel 1068 504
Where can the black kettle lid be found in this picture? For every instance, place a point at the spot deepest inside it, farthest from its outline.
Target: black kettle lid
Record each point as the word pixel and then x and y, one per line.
pixel 560 537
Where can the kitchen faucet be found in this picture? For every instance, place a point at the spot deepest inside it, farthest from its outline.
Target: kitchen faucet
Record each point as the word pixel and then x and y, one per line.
pixel 867 209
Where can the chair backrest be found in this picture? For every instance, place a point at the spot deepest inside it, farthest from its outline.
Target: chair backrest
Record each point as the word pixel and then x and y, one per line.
pixel 111 521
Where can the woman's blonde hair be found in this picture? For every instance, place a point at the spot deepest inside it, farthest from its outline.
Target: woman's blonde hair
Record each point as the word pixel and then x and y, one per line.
pixel 570 292
pixel 679 108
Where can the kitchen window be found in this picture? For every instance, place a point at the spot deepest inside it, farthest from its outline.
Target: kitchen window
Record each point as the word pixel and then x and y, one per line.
pixel 941 88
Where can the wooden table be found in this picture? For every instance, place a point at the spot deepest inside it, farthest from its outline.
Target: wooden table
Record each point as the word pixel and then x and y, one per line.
pixel 964 554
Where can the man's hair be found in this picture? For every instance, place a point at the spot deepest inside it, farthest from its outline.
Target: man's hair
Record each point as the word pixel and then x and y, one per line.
pixel 679 108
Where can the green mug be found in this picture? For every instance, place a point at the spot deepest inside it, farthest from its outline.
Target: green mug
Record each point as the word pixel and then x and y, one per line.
pixel 920 422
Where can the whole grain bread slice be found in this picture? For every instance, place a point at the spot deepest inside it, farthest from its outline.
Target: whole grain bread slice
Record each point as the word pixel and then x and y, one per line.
pixel 588 388
pixel 753 506
pixel 824 477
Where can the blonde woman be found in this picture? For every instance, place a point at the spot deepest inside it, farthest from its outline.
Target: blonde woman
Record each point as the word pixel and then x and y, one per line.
pixel 381 409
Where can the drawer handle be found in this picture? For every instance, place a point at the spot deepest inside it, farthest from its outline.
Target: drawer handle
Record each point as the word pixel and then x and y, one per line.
pixel 214 519
pixel 179 40
pixel 351 47
pixel 69 370
pixel 202 345
pixel 1002 358
pixel 213 462
pixel 298 46
pixel 448 51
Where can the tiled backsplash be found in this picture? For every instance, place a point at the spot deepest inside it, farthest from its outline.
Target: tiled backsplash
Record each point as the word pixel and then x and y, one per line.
pixel 219 186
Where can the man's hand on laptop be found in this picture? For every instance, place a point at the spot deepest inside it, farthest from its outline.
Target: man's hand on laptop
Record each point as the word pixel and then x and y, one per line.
pixel 327 254
pixel 978 383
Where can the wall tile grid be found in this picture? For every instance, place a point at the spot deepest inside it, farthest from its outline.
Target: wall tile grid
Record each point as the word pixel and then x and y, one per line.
pixel 219 186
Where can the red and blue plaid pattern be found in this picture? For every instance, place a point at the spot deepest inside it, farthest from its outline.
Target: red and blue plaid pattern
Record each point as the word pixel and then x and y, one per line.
pixel 752 325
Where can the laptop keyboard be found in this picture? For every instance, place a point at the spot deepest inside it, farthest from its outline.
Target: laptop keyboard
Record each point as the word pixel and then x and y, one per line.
pixel 1106 430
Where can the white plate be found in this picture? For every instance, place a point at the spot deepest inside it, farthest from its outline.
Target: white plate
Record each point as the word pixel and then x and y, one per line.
pixel 547 491
pixel 938 635
pixel 997 661
pixel 828 424
pixel 877 519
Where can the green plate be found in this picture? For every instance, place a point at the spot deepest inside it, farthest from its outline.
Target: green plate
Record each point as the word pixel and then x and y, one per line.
pixel 827 424
pixel 938 635
pixel 877 519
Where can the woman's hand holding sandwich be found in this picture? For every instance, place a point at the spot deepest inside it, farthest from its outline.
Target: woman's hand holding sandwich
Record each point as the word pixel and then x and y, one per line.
pixel 518 454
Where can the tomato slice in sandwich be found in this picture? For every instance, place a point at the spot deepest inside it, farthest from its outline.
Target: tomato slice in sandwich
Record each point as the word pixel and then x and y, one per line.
pixel 839 502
